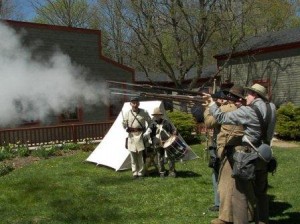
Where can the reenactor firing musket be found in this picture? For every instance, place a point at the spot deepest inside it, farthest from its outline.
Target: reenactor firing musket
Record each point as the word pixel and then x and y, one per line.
pixel 151 87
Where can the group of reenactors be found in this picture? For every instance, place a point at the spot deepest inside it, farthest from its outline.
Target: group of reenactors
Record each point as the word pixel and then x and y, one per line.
pixel 146 139
pixel 242 119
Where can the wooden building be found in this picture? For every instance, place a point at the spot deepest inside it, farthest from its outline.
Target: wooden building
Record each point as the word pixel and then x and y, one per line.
pixel 84 47
pixel 271 59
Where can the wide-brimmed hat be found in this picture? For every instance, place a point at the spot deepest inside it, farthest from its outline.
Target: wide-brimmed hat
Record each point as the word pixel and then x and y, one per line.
pixel 157 111
pixel 259 89
pixel 135 98
pixel 236 91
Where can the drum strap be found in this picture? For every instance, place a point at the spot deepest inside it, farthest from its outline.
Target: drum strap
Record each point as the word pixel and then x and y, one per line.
pixel 159 130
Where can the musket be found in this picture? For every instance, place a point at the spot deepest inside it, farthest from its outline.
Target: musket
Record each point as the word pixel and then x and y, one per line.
pixel 177 98
pixel 147 86
pixel 159 96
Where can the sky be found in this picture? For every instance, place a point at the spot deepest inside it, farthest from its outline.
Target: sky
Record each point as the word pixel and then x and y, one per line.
pixel 25 7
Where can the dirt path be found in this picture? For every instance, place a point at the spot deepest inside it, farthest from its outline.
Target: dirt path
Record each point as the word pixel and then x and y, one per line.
pixel 285 144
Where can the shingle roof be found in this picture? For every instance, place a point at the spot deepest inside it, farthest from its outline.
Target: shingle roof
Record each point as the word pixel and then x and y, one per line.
pixel 267 40
pixel 208 71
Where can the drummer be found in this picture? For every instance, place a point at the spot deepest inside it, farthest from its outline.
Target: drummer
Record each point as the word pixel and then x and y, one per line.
pixel 159 131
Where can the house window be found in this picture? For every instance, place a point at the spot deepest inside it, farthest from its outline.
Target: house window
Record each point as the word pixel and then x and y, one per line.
pixel 71 115
pixel 25 110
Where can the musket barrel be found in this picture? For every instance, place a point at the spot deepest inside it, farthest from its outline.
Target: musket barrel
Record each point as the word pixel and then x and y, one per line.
pixel 147 86
pixel 179 98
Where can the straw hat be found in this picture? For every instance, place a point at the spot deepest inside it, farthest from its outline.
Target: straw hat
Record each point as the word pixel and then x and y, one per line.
pixel 157 111
pixel 259 89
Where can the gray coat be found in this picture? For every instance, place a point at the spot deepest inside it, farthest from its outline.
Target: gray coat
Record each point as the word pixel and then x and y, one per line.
pixel 246 116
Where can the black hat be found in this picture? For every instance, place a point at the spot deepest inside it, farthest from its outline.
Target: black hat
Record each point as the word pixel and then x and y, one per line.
pixel 134 98
pixel 219 95
pixel 236 91
pixel 224 95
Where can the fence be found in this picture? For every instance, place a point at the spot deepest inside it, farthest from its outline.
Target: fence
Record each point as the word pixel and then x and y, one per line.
pixel 57 134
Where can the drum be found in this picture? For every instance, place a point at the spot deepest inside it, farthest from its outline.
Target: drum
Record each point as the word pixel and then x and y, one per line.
pixel 175 148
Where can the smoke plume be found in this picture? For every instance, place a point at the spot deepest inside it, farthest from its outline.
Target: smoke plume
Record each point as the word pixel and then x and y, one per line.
pixel 31 89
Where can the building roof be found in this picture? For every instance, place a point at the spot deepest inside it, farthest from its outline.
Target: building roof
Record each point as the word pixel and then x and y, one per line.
pixel 39 26
pixel 272 41
pixel 207 72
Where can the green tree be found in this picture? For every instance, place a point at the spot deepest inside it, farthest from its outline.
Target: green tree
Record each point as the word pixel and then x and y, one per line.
pixel 113 30
pixel 10 10
pixel 173 37
pixel 72 13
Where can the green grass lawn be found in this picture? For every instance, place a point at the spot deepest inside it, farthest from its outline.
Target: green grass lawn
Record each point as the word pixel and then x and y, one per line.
pixel 70 190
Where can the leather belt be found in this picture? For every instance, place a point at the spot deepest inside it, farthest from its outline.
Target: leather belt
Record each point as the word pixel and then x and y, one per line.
pixel 135 129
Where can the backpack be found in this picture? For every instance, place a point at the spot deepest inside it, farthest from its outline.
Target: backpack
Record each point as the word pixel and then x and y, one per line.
pixel 244 165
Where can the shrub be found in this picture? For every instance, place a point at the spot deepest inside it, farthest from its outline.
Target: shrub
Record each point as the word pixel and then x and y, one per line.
pixel 69 146
pixel 23 150
pixel 7 152
pixel 88 147
pixel 45 151
pixel 185 124
pixel 288 122
pixel 5 169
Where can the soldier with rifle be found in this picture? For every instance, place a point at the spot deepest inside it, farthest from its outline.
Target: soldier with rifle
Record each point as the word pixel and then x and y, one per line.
pixel 258 119
pixel 226 137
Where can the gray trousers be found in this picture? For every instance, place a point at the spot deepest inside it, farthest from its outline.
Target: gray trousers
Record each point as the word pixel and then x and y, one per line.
pixel 161 161
pixel 214 178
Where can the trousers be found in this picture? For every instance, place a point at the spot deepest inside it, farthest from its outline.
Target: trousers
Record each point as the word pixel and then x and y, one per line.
pixel 260 191
pixel 161 161
pixel 137 163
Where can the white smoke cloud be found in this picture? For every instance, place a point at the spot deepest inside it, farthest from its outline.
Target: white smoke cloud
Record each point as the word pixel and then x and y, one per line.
pixel 31 88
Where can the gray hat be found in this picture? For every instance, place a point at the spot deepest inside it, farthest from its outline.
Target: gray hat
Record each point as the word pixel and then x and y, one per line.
pixel 259 89
pixel 134 98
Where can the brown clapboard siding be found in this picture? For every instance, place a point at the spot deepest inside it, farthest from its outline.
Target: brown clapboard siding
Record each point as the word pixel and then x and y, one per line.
pixel 84 47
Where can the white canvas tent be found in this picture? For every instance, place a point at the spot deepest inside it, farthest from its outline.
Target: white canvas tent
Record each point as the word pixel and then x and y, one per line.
pixel 111 150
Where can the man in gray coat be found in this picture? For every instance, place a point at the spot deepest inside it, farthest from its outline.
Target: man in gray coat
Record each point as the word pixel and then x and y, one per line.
pixel 246 191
